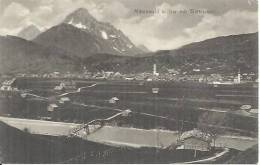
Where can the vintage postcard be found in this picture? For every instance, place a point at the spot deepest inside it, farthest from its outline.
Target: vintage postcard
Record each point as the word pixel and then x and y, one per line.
pixel 129 82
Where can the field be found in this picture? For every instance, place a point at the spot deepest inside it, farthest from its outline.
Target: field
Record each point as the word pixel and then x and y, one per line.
pixel 21 147
pixel 177 106
pixel 194 103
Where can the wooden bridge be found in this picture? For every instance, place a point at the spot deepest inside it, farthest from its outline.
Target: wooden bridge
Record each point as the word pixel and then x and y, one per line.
pixel 95 125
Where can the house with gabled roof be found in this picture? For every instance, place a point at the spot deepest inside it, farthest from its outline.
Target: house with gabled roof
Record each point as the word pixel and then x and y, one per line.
pixel 195 140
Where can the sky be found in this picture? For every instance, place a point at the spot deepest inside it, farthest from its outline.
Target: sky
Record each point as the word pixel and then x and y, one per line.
pixel 168 28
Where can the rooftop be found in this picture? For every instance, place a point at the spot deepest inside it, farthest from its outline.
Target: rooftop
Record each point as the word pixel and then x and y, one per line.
pixel 197 134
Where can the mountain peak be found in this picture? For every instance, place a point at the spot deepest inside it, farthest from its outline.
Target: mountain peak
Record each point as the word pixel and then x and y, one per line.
pixel 80 16
pixel 81 10
pixel 83 35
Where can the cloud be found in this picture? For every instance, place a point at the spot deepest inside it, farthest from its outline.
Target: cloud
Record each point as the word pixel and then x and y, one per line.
pixel 232 22
pixel 16 10
pixel 13 15
pixel 172 31
pixel 112 11
pixel 8 31
pixel 156 31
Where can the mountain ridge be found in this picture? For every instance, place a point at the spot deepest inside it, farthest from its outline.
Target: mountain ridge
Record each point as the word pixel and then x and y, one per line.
pixel 29 32
pixel 224 54
pixel 18 55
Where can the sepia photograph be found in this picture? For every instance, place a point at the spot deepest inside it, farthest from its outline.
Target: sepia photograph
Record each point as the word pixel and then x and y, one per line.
pixel 129 81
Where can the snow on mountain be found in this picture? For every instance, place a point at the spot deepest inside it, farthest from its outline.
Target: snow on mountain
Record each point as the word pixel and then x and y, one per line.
pixel 78 25
pixel 104 35
pixel 116 49
pixel 111 36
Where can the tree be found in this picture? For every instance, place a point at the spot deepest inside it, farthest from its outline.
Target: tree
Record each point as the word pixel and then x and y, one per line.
pixel 210 124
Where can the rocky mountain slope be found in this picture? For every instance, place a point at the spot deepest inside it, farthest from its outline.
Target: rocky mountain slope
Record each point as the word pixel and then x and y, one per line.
pixel 81 34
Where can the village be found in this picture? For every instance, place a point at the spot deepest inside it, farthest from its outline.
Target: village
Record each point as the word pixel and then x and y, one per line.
pixel 171 75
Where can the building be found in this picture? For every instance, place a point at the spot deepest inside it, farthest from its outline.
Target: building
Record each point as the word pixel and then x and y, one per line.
pixel 60 87
pixel 196 70
pixel 129 78
pixel 155 90
pixel 238 79
pixel 246 107
pixel 113 100
pixel 126 113
pixel 254 112
pixel 155 73
pixel 52 107
pixel 195 143
pixel 23 95
pixel 64 100
pixel 66 85
pixel 196 140
pixel 149 79
pixel 8 85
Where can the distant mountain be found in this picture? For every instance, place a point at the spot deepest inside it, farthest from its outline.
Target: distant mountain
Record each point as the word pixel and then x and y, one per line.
pixel 225 54
pixel 21 56
pixel 143 48
pixel 81 34
pixel 29 32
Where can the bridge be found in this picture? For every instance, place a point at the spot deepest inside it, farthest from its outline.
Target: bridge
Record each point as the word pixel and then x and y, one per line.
pixel 95 125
